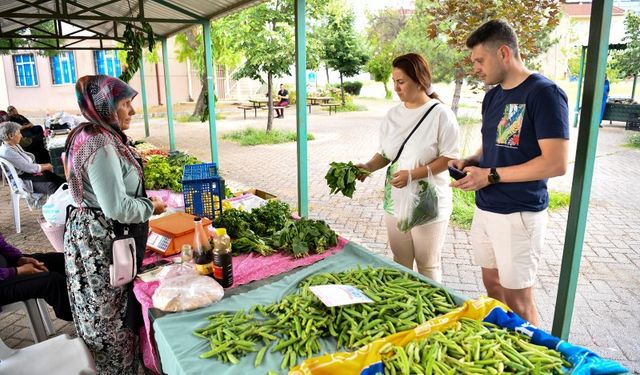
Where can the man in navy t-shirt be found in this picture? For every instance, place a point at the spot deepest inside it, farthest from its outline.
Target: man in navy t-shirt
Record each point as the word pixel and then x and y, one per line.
pixel 525 140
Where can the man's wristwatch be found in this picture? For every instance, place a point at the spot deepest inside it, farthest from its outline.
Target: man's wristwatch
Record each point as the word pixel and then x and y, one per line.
pixel 493 177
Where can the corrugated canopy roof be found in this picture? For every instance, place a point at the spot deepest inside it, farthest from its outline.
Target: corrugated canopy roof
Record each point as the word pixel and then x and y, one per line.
pixel 103 20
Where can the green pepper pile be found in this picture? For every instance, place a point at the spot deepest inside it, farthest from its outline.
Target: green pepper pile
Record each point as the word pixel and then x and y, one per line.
pixel 295 325
pixel 472 347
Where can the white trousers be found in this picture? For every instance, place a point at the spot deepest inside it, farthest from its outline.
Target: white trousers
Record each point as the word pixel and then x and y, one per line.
pixel 422 244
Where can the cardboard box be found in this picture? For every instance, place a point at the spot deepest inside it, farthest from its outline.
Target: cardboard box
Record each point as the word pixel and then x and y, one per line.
pixel 259 193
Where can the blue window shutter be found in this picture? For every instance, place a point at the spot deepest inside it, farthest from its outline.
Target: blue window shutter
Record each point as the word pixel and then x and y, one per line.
pixel 55 65
pixel 117 64
pixel 65 72
pixel 72 66
pixel 100 62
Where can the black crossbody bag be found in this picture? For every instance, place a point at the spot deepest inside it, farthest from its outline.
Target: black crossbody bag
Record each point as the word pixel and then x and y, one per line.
pixel 411 133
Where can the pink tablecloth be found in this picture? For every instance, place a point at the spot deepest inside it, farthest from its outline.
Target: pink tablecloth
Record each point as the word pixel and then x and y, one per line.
pixel 246 268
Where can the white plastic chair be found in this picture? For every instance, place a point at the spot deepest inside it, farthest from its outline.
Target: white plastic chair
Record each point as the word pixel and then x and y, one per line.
pixel 37 316
pixel 17 191
pixel 60 355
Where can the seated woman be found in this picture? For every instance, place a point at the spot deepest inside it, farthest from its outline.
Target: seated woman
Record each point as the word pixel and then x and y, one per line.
pixel 37 178
pixel 33 136
pixel 35 276
pixel 283 94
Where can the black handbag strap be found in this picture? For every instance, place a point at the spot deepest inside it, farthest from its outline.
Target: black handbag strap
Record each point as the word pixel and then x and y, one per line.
pixel 413 131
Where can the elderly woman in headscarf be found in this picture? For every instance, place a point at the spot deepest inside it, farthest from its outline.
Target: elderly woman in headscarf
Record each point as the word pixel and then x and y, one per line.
pixel 37 178
pixel 106 183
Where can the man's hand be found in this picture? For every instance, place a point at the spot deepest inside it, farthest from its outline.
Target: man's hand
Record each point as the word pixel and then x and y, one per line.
pixel 476 179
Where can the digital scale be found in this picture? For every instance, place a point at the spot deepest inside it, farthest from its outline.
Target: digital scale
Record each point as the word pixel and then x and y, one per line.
pixel 168 233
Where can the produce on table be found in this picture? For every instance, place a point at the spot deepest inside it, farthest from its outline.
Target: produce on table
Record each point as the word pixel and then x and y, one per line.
pixel 270 228
pixel 166 172
pixel 341 177
pixel 472 347
pixel 296 323
pixel 303 236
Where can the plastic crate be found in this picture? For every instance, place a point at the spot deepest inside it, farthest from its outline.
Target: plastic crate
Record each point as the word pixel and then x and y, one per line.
pixel 203 190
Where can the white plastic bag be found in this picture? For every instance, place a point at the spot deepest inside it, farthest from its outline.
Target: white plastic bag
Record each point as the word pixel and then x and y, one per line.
pixel 55 210
pixel 187 291
pixel 417 203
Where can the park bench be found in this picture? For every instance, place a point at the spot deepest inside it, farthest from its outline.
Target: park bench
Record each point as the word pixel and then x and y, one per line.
pixel 248 107
pixel 331 105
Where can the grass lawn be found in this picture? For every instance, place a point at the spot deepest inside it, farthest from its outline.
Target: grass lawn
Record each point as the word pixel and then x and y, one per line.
pixel 464 205
pixel 252 137
pixel 634 141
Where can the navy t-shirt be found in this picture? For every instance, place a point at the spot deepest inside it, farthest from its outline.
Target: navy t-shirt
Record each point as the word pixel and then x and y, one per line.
pixel 512 123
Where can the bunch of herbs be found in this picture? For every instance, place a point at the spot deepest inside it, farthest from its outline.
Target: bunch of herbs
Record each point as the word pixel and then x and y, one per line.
pixel 341 177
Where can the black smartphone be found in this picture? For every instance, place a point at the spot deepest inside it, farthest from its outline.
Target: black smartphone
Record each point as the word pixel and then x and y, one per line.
pixel 456 173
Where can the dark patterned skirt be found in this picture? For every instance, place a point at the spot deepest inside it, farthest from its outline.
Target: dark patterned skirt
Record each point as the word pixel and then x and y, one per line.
pixel 99 309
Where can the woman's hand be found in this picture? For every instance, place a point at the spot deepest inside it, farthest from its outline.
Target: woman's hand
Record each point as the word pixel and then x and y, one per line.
pixel 158 205
pixel 400 179
pixel 28 263
pixel 46 167
pixel 361 177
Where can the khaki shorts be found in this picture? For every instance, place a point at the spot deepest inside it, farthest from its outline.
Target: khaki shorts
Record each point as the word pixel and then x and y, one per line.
pixel 510 243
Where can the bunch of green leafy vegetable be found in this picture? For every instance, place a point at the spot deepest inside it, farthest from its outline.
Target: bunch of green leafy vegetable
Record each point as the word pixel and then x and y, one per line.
pixel 270 218
pixel 162 172
pixel 341 177
pixel 302 236
pixel 424 211
pixel 248 242
pixel 234 221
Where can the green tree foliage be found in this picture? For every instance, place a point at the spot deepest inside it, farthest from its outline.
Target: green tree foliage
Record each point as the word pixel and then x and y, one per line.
pixel 10 46
pixel 344 50
pixel 190 45
pixel 382 33
pixel 627 61
pixel 454 21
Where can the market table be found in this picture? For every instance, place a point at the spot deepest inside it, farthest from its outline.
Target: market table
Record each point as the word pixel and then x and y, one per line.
pixel 179 348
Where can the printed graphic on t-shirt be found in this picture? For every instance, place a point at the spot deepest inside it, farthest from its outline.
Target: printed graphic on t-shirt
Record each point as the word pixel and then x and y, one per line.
pixel 508 134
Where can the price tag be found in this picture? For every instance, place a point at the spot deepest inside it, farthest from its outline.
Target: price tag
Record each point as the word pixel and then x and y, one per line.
pixel 339 295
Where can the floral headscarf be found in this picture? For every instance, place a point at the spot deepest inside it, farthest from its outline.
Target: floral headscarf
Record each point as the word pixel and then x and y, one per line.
pixel 98 97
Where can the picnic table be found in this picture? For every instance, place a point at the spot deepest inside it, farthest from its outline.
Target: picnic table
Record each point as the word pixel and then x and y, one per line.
pixel 258 103
pixel 319 99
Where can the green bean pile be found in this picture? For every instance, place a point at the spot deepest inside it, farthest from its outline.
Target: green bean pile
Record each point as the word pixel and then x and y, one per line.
pixel 472 347
pixel 300 320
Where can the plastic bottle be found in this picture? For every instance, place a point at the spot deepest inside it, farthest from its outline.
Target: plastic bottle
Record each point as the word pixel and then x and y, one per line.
pixel 202 254
pixel 222 265
pixel 186 253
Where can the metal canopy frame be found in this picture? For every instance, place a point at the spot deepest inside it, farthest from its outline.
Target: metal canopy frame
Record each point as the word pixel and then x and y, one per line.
pixel 102 20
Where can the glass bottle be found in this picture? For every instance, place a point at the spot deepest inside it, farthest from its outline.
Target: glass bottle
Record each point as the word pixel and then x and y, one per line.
pixel 186 253
pixel 222 265
pixel 202 254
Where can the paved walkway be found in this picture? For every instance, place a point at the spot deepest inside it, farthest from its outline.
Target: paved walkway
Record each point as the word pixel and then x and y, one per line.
pixel 608 296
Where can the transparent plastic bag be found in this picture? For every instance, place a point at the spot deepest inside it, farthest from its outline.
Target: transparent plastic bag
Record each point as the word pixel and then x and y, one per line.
pixel 186 291
pixel 416 203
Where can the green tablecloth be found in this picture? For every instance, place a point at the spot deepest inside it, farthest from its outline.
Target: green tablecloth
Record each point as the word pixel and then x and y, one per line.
pixel 179 348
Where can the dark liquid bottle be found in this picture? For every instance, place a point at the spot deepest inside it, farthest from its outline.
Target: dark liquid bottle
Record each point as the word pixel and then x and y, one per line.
pixel 222 265
pixel 202 254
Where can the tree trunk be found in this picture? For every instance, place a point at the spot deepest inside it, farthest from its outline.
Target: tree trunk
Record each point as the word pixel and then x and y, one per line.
pixel 455 104
pixel 158 85
pixel 387 92
pixel 201 103
pixel 269 102
pixel 326 69
pixel 342 90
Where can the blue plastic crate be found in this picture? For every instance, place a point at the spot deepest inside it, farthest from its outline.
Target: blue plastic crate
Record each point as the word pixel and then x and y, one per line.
pixel 203 190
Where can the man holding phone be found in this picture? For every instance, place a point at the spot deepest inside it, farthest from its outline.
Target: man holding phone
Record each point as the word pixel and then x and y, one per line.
pixel 525 140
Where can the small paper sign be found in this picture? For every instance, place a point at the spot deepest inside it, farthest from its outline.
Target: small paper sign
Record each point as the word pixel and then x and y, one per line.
pixel 339 295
